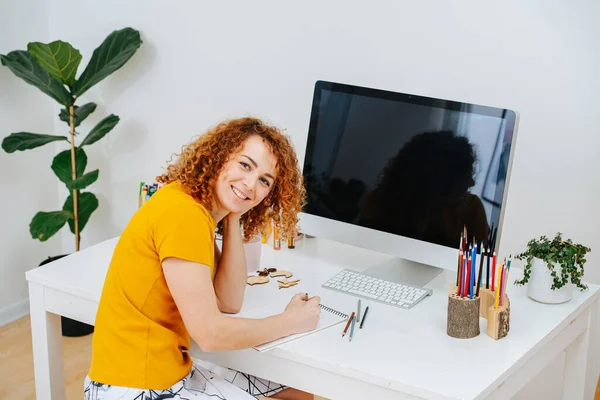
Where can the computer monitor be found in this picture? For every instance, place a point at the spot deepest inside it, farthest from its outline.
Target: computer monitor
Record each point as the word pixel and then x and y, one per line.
pixel 402 175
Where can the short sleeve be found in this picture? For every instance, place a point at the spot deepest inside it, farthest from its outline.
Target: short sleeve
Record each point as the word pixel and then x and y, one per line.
pixel 185 231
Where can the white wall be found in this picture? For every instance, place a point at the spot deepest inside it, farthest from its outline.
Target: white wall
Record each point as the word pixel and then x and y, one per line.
pixel 203 62
pixel 28 184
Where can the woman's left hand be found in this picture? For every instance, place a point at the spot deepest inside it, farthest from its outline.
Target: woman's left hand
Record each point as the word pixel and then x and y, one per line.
pixel 234 218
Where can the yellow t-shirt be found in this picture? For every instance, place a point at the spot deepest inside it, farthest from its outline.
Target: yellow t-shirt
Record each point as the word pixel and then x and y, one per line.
pixel 139 334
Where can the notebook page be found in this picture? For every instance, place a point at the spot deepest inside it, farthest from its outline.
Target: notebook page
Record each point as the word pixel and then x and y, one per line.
pixel 329 317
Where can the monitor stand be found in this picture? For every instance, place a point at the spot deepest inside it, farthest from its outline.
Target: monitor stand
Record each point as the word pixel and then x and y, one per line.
pixel 404 272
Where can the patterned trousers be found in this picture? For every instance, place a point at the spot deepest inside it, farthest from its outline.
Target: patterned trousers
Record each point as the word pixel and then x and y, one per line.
pixel 205 381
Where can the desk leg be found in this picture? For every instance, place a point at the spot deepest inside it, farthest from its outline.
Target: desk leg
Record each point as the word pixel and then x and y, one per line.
pixel 46 333
pixel 593 353
pixel 578 361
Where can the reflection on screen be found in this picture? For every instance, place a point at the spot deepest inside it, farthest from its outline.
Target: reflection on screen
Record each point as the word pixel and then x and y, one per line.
pixel 408 168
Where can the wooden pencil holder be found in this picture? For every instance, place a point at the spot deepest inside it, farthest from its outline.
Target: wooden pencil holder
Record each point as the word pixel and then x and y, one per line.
pixel 463 315
pixel 498 319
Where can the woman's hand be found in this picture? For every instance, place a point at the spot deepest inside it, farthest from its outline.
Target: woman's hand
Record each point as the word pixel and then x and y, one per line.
pixel 233 218
pixel 303 316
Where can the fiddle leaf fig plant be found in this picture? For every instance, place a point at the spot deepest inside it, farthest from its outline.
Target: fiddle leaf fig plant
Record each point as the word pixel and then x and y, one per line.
pixel 52 68
pixel 563 258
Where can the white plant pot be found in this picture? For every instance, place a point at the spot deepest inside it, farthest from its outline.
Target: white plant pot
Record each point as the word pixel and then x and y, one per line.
pixel 539 287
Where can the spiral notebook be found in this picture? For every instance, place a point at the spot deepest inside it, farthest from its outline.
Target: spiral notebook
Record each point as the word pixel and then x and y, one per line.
pixel 329 318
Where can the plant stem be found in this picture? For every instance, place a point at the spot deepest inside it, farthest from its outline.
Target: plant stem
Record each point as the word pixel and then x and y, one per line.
pixel 73 177
pixel 571 244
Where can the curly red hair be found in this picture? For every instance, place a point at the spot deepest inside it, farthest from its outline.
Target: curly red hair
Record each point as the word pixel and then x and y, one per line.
pixel 200 162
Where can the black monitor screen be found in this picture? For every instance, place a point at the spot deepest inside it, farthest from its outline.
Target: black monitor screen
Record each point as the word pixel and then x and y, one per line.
pixel 408 165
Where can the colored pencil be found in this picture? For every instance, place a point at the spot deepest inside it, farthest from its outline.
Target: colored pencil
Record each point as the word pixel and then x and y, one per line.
pixel 493 246
pixel 348 324
pixel 480 272
pixel 474 258
pixel 352 329
pixel 460 255
pixel 481 265
pixel 493 269
pixel 487 272
pixel 472 282
pixel 464 278
pixel 497 290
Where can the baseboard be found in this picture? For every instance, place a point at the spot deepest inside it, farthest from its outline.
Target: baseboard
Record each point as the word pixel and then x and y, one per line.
pixel 14 311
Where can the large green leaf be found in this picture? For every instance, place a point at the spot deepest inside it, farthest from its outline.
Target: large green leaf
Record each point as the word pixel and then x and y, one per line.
pixel 45 224
pixel 84 181
pixel 59 58
pixel 79 113
pixel 26 141
pixel 87 205
pixel 111 55
pixel 61 165
pixel 22 64
pixel 100 130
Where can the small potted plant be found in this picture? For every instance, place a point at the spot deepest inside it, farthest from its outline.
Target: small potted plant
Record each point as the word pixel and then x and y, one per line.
pixel 552 268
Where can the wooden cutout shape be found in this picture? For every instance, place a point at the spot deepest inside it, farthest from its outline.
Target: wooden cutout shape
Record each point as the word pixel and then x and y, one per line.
pixel 281 272
pixel 253 280
pixel 287 285
pixel 265 271
pixel 284 281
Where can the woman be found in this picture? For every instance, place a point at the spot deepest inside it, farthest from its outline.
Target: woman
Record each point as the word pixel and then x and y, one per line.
pixel 168 281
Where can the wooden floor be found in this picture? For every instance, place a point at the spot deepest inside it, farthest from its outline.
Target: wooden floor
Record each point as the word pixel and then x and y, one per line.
pixel 16 363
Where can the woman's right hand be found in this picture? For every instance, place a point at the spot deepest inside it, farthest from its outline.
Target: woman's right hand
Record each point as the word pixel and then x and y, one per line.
pixel 303 316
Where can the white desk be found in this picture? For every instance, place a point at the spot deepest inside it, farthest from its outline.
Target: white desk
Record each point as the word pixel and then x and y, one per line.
pixel 399 354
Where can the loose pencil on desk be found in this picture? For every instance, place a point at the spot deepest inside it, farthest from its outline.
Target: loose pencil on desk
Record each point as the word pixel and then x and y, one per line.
pixel 348 324
pixel 352 329
pixel 363 318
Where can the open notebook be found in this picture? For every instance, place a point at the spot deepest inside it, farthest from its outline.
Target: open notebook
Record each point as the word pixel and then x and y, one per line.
pixel 329 317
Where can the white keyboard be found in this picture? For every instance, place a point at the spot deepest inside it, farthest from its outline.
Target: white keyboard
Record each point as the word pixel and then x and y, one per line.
pixel 375 289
